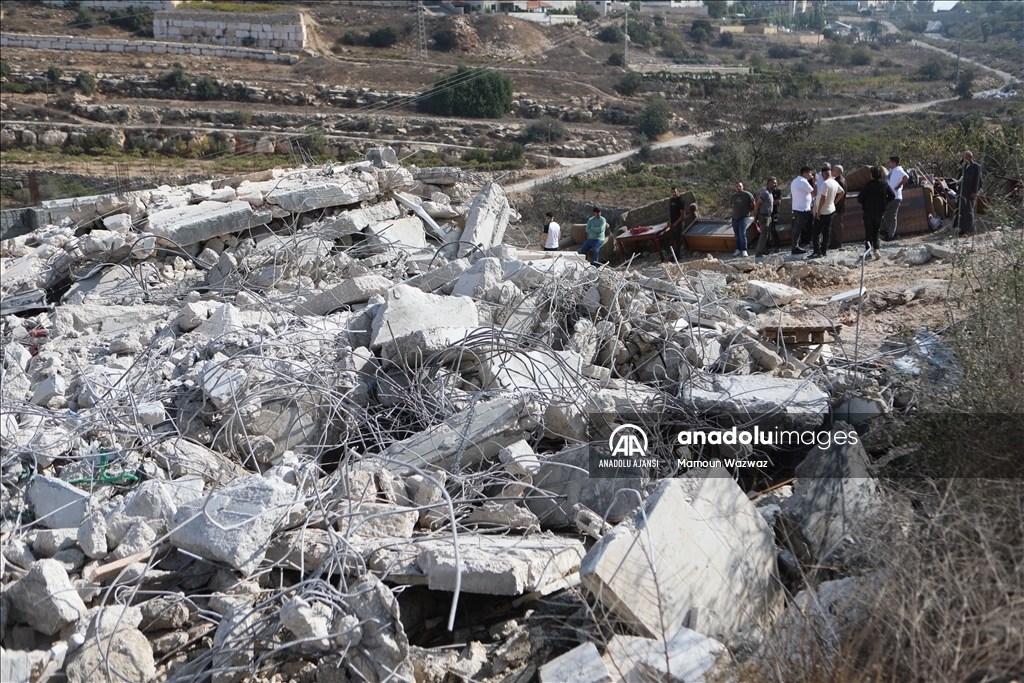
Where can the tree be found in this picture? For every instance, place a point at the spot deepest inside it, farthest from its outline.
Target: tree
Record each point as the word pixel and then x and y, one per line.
pixel 174 79
pixel 986 31
pixel 757 61
pixel 838 53
pixel 616 59
pixel 545 129
pixel 655 119
pixel 966 82
pixel 717 8
pixel 385 36
pixel 85 82
pixel 586 12
pixel 726 39
pixel 932 70
pixel 446 40
pixel 610 34
pixel 54 73
pixel 753 135
pixel 478 93
pixel 630 84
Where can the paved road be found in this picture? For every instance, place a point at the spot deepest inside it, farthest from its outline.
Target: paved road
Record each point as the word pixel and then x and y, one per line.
pixel 572 167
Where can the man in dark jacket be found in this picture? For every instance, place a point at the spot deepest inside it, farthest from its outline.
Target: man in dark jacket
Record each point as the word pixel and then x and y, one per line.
pixel 967 200
pixel 874 197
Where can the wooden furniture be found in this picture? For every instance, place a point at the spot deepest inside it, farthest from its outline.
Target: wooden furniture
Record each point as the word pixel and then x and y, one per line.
pixel 651 233
pixel 801 336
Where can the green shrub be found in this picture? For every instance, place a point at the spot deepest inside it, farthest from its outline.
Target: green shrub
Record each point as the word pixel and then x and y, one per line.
pixel 5 68
pixel 54 73
pixel 861 56
pixel 616 59
pixel 654 120
pixel 508 153
pixel 726 39
pixel 238 118
pixel 446 40
pixel 85 82
pixel 610 34
pixel 933 70
pixel 350 38
pixel 134 19
pixel 964 85
pixel 314 142
pixel 385 36
pixel 207 89
pixel 758 61
pixel 586 12
pixel 545 129
pixel 479 156
pixel 86 18
pixel 175 79
pixel 630 84
pixel 96 143
pixel 782 52
pixel 476 93
pixel 16 88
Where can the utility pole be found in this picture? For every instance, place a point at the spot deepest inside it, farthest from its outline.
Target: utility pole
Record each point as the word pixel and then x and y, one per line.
pixel 956 77
pixel 625 39
pixel 420 11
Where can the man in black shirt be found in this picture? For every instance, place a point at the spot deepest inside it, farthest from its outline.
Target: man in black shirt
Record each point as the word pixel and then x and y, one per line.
pixel 676 210
pixel 874 197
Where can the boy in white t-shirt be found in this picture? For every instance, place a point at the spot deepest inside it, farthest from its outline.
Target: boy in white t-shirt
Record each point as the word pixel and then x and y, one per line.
pixel 829 192
pixel 897 179
pixel 552 233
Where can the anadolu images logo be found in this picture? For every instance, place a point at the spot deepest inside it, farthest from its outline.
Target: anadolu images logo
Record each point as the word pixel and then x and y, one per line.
pixel 625 442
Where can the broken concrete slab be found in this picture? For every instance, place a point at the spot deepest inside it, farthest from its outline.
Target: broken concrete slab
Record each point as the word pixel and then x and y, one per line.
pixel 200 222
pixel 356 220
pixel 700 556
pixel 492 565
pixel 45 598
pixel 761 395
pixel 468 436
pixel 308 192
pixel 489 214
pixel 772 293
pixel 401 233
pixel 57 504
pixel 407 309
pixel 687 657
pixel 378 520
pixel 834 496
pixel 434 279
pixel 582 664
pixel 351 291
pixel 234 524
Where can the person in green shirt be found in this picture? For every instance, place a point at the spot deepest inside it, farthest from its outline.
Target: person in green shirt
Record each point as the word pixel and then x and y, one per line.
pixel 595 235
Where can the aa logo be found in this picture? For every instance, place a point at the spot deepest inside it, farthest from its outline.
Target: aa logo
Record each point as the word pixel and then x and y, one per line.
pixel 628 441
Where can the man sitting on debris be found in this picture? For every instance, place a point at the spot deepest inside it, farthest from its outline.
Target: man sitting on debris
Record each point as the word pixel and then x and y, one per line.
pixel 875 196
pixel 552 232
pixel 595 236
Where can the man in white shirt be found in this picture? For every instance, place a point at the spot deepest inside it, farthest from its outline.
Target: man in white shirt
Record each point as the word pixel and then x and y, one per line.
pixel 801 190
pixel 552 233
pixel 897 179
pixel 829 192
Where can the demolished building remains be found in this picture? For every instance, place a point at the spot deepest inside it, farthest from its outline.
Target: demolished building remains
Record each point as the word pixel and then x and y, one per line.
pixel 304 421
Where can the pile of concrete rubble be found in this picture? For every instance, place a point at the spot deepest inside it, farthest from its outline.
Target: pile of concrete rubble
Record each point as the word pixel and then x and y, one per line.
pixel 308 424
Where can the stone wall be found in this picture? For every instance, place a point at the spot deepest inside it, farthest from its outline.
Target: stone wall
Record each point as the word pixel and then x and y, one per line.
pixel 109 5
pixel 275 30
pixel 156 47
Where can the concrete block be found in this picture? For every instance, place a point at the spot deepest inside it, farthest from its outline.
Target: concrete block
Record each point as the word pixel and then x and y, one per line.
pixel 57 504
pixel 468 436
pixel 687 657
pixel 500 565
pixel 378 520
pixel 309 192
pixel 772 293
pixel 416 347
pixel 205 220
pixel 351 291
pixel 700 548
pixel 794 399
pixel 357 220
pixel 582 664
pixel 234 524
pixel 45 598
pixel 833 496
pixel 407 309
pixel 488 218
pixel 119 223
pixel 401 233
pixel 48 389
pixel 434 279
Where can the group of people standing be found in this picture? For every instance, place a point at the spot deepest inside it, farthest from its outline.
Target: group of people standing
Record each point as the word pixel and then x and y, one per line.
pixel 819 203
